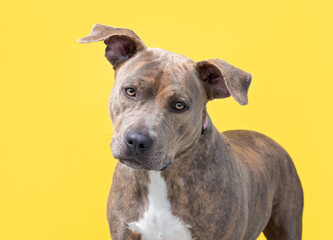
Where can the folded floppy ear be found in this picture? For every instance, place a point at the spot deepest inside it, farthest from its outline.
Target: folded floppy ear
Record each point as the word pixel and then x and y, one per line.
pixel 121 43
pixel 222 80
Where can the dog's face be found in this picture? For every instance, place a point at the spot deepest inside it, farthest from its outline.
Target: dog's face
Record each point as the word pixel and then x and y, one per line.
pixel 157 108
pixel 158 103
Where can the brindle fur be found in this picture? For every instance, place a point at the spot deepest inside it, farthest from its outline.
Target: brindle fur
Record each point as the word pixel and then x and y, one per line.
pixel 230 185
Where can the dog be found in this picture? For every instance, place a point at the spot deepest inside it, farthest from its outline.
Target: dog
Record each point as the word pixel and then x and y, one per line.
pixel 177 177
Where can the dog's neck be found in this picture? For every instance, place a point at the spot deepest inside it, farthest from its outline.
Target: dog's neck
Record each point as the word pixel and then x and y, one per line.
pixel 210 145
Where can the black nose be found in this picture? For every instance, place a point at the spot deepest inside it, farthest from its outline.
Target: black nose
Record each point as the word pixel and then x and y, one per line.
pixel 137 142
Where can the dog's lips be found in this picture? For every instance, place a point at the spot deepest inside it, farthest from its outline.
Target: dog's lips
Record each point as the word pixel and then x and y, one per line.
pixel 137 165
pixel 132 163
pixel 166 166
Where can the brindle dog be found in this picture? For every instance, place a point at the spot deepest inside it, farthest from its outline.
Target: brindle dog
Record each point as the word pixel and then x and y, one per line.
pixel 178 178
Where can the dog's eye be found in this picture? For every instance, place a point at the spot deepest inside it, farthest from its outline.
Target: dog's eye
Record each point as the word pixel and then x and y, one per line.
pixel 130 92
pixel 179 106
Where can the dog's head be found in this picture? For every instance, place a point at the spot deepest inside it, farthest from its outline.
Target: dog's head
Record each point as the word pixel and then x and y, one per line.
pixel 158 102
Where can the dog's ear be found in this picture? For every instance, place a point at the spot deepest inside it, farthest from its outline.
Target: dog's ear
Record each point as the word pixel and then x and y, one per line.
pixel 121 43
pixel 222 80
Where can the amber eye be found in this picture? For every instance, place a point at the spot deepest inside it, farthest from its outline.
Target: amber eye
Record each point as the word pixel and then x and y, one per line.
pixel 130 92
pixel 179 106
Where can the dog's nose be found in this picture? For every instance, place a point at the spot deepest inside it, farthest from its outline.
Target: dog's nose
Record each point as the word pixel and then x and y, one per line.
pixel 137 142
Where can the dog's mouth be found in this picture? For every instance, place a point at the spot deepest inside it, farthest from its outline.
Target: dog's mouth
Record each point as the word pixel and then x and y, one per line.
pixel 137 165
pixel 133 163
pixel 166 166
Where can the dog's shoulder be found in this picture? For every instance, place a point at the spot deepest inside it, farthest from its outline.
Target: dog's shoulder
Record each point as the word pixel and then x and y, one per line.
pixel 251 146
pixel 251 139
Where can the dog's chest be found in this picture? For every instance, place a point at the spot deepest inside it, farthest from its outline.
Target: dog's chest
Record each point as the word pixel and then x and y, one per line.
pixel 158 223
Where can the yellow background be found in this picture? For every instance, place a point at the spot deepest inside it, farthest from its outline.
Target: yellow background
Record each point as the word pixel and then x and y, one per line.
pixel 55 162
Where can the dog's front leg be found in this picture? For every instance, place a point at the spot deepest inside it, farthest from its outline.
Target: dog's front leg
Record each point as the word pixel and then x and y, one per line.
pixel 120 231
pixel 132 235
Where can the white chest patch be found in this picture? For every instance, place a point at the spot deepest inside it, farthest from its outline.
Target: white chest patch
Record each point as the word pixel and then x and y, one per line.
pixel 158 223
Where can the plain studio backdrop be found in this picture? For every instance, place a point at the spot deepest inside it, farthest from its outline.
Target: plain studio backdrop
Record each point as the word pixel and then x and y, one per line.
pixel 55 161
